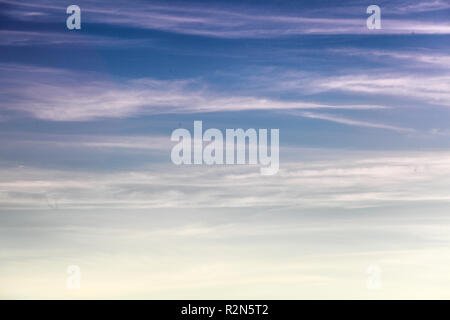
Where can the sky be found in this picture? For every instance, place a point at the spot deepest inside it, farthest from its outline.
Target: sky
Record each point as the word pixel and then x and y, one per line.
pixel 87 179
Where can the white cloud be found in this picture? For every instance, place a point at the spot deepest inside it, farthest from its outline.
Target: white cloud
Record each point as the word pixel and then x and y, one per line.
pixel 426 88
pixel 351 122
pixel 31 38
pixel 422 58
pixel 353 182
pixel 52 97
pixel 412 86
pixel 228 21
pixel 408 7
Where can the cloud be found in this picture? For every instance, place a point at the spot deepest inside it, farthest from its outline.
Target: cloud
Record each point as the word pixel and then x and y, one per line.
pixel 423 79
pixel 408 7
pixel 153 142
pixel 354 181
pixel 427 88
pixel 418 58
pixel 411 84
pixel 232 21
pixel 53 97
pixel 16 38
pixel 167 231
pixel 351 122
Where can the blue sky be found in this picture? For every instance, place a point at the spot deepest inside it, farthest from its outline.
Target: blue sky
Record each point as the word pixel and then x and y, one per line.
pixel 85 122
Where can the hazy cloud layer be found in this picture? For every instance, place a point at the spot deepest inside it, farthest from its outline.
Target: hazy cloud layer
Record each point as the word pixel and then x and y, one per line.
pixel 349 183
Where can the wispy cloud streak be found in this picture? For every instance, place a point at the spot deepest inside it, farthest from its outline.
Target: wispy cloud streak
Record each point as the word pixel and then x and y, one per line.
pixel 229 21
pixel 352 182
pixel 54 98
pixel 350 122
